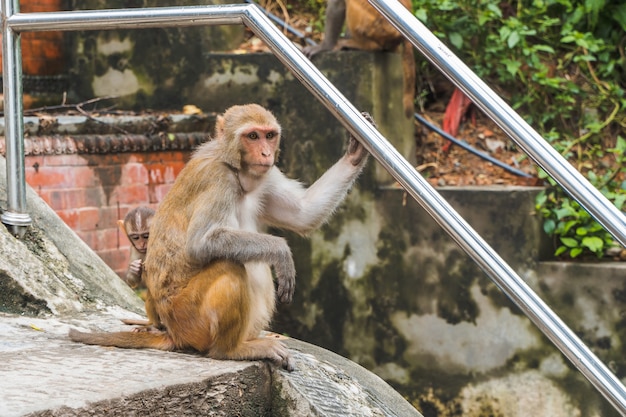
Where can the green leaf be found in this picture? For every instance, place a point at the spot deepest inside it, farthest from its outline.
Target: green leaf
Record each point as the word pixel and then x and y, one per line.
pixel 575 252
pixel 513 39
pixel 541 199
pixel 505 31
pixel 560 250
pixel 422 15
pixel 549 226
pixel 495 9
pixel 569 242
pixel 593 243
pixel 568 225
pixel 619 14
pixel 581 231
pixel 512 66
pixel 544 48
pixel 456 39
pixel 619 201
pixel 621 145
pixel 564 212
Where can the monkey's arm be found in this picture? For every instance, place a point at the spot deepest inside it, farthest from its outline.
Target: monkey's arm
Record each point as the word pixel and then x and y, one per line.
pixel 291 206
pixel 135 267
pixel 207 241
pixel 335 16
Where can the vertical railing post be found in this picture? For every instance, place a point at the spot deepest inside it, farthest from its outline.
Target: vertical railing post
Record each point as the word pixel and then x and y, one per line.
pixel 15 217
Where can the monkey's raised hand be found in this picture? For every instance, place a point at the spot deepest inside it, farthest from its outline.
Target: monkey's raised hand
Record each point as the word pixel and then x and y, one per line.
pixel 356 152
pixel 136 267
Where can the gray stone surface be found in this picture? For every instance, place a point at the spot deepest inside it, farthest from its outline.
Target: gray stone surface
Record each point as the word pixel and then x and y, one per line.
pixel 43 373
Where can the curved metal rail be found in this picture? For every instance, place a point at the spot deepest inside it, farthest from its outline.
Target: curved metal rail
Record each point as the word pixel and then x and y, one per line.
pixel 495 267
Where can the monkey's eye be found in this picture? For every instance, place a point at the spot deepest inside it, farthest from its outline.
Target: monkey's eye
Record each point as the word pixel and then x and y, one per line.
pixel 270 135
pixel 134 237
pixel 145 236
pixel 253 136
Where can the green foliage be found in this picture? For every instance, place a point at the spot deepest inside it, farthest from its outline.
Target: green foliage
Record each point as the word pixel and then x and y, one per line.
pixel 563 66
pixel 574 229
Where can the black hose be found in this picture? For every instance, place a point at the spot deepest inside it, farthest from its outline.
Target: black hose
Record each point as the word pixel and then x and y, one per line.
pixel 284 24
pixel 469 148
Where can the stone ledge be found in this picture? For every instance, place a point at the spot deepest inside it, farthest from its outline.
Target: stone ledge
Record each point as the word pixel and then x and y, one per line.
pixel 62 378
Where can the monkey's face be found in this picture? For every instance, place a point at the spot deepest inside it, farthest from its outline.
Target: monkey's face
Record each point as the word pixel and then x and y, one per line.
pixel 259 145
pixel 139 241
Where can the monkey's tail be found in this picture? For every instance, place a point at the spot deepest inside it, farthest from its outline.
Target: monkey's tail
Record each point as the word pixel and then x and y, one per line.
pixel 128 340
pixel 408 72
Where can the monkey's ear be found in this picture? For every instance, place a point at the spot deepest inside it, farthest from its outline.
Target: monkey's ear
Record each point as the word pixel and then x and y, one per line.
pixel 219 127
pixel 120 223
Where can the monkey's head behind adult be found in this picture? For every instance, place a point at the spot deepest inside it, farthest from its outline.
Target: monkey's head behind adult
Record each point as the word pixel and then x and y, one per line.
pixel 136 225
pixel 251 138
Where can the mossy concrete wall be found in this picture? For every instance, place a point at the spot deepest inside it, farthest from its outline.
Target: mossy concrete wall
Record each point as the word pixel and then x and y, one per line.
pixel 386 287
pixel 145 68
pixel 162 70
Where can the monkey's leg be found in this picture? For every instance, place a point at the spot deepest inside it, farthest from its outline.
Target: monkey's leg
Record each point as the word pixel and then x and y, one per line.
pixel 212 314
pixel 153 324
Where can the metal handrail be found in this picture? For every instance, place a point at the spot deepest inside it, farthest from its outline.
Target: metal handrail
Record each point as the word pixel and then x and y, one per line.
pixel 250 15
pixel 600 208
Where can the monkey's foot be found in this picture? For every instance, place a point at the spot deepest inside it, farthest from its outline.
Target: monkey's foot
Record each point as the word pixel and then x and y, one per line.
pixel 260 349
pixel 147 329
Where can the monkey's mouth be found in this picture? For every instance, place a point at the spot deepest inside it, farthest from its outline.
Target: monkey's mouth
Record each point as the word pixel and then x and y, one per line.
pixel 262 167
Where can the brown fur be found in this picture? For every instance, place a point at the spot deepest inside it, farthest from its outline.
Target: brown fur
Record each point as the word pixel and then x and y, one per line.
pixel 208 271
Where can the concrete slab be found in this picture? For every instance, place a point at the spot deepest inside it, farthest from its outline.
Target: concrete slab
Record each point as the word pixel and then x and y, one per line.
pixel 43 373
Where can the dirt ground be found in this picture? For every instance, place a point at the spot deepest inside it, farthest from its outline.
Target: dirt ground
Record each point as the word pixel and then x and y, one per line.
pixel 445 164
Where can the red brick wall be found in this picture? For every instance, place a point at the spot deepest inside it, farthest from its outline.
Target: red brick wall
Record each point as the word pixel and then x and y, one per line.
pixel 91 192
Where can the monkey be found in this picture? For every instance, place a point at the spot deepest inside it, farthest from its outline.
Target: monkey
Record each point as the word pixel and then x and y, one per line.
pixel 209 267
pixel 368 31
pixel 136 226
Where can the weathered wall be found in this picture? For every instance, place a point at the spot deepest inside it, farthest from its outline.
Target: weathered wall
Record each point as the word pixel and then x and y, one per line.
pixel 218 80
pixel 92 171
pixel 384 286
pixel 147 68
pixel 91 192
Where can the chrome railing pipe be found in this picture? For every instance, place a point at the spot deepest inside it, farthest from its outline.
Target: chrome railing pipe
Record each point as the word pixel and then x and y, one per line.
pixel 15 216
pixel 140 18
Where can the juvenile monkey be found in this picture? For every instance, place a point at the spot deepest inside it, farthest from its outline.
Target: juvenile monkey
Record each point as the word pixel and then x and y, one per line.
pixel 368 31
pixel 136 226
pixel 208 270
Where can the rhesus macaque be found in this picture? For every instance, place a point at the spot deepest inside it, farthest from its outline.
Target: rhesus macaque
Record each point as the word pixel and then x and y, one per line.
pixel 369 31
pixel 208 270
pixel 136 226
